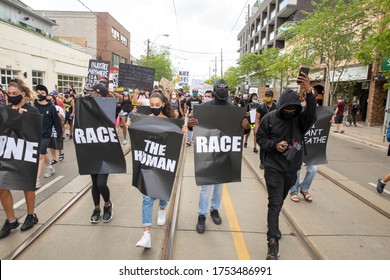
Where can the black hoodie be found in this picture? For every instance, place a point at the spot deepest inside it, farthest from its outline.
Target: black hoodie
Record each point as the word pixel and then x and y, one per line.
pixel 274 129
pixel 50 118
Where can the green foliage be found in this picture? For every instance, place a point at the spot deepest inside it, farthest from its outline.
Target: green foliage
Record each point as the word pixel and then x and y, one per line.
pixel 159 60
pixel 232 77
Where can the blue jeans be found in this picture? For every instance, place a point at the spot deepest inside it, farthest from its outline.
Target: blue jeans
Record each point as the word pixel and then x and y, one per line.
pixel 147 209
pixel 204 197
pixel 311 171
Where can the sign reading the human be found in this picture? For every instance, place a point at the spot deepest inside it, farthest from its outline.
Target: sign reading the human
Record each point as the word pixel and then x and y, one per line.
pixel 156 144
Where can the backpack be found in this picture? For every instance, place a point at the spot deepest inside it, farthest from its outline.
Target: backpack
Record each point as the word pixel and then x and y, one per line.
pixel 388 133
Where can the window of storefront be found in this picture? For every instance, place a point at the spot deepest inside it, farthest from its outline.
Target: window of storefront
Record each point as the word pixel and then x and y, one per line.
pixel 6 76
pixel 37 78
pixel 66 82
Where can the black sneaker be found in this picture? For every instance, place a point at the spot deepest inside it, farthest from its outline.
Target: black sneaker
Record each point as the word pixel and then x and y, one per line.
pixel 107 213
pixel 53 162
pixel 95 218
pixel 215 216
pixel 245 145
pixel 29 222
pixel 380 186
pixel 273 249
pixel 279 235
pixel 6 229
pixel 255 150
pixel 201 225
pixel 70 137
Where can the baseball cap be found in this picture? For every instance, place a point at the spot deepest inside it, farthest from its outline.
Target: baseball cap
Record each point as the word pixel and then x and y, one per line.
pixel 53 92
pixel 269 92
pixel 101 89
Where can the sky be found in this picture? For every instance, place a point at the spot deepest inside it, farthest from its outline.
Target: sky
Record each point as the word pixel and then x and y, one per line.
pixel 198 29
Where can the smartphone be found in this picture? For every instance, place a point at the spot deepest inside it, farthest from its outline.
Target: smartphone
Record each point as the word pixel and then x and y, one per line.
pixel 304 70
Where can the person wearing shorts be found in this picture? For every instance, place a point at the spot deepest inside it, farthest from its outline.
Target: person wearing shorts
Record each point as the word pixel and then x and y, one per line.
pixel 338 115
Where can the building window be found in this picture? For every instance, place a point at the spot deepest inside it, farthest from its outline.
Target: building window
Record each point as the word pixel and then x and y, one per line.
pixel 37 78
pixel 6 76
pixel 124 40
pixel 115 60
pixel 115 33
pixel 66 82
pixel 123 60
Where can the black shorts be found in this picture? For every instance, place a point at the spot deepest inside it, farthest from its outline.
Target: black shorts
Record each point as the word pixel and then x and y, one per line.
pixel 338 119
pixel 56 143
pixel 69 121
pixel 44 145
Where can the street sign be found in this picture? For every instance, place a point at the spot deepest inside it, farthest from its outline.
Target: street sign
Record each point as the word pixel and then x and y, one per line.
pixel 386 63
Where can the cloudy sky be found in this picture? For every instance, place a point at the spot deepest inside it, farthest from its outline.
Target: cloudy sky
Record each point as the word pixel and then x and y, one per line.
pixel 198 29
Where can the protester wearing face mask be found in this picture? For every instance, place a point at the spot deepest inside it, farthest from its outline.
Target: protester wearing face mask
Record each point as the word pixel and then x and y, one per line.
pixel 221 94
pixel 175 104
pixel 194 100
pixel 161 108
pixel 281 135
pixel 18 93
pixel 208 96
pixel 69 108
pixel 50 119
pixel 125 112
pixel 251 107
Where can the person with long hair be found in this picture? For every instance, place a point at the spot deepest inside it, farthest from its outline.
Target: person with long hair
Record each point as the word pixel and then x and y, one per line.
pixel 18 97
pixel 161 108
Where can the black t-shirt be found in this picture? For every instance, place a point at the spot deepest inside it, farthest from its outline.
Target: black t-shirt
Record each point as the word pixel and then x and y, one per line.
pixel 264 109
pixel 193 102
pixel 28 107
pixel 126 105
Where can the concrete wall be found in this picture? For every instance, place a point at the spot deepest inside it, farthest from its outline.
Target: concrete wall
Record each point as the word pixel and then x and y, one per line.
pixel 23 51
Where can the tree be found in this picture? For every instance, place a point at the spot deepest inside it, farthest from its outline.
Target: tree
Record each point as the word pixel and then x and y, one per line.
pixel 232 77
pixel 159 60
pixel 377 37
pixel 331 34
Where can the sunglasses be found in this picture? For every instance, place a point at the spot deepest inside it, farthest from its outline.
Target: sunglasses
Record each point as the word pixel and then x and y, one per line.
pixel 222 86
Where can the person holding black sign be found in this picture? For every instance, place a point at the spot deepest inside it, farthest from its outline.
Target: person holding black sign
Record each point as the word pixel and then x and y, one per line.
pixel 17 94
pixel 281 135
pixel 221 93
pixel 188 107
pixel 160 107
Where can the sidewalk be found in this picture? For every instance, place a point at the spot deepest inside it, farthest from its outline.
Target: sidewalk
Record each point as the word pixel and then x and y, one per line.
pixel 370 135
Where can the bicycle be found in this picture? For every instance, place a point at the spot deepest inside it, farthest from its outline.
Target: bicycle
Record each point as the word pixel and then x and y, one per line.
pixel 347 119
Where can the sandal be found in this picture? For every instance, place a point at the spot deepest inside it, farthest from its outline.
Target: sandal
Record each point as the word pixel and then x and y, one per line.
pixel 294 197
pixel 307 196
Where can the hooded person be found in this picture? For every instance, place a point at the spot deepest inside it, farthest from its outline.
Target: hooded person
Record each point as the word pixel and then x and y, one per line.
pixel 281 136
pixel 221 94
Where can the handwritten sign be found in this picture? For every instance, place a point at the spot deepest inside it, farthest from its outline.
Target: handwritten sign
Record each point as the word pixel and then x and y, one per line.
pixel 134 76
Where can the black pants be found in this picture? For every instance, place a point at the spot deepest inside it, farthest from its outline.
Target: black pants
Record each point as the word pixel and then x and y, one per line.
pixel 99 187
pixel 353 114
pixel 278 186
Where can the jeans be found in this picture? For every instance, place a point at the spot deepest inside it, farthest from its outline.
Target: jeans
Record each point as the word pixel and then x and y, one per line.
pixel 278 185
pixel 311 171
pixel 204 196
pixel 147 209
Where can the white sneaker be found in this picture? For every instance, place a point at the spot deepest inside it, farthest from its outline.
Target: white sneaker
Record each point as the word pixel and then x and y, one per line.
pixel 49 172
pixel 145 241
pixel 161 218
pixel 38 184
pixel 124 142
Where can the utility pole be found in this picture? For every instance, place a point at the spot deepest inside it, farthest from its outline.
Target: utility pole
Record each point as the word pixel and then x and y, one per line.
pixel 215 67
pixel 147 51
pixel 221 65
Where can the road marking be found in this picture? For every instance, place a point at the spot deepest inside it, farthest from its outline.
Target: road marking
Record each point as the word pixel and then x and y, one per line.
pixel 238 238
pixel 374 185
pixel 41 189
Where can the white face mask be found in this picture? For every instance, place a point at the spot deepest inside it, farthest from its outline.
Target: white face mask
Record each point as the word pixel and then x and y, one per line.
pixel 173 96
pixel 245 96
pixel 207 99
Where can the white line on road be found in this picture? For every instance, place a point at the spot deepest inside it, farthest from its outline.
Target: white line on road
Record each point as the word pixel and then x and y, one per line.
pixel 374 185
pixel 41 189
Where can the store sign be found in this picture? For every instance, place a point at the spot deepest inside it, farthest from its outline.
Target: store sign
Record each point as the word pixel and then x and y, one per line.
pixel 350 74
pixel 386 63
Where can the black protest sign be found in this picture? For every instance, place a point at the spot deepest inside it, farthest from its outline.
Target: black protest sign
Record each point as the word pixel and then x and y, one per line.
pixel 316 137
pixel 134 76
pixel 145 110
pixel 156 144
pixel 97 146
pixel 20 138
pixel 97 69
pixel 218 144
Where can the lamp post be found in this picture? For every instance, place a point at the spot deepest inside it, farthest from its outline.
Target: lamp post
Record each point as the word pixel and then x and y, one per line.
pixel 149 46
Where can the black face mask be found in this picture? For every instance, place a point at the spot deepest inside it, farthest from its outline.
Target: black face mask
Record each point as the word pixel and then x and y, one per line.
pixel 41 97
pixel 222 94
pixel 66 95
pixel 15 100
pixel 156 111
pixel 287 116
